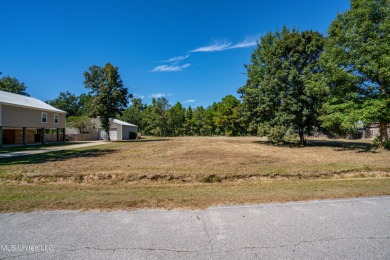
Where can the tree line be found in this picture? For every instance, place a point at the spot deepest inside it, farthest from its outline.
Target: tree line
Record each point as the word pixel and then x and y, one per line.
pixel 162 119
pixel 298 82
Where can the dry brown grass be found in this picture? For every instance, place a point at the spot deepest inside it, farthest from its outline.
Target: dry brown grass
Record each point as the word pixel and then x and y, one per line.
pixel 28 197
pixel 171 173
pixel 194 159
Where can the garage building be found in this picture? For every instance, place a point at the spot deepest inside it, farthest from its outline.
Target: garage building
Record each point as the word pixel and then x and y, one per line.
pixel 119 130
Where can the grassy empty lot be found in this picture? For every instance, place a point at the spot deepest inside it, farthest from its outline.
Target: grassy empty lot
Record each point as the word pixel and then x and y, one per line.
pixel 192 172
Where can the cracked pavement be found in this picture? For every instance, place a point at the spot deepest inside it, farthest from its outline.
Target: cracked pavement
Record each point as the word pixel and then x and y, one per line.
pixel 330 229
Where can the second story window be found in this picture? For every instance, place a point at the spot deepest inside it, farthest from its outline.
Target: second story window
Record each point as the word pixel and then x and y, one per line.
pixel 56 119
pixel 44 117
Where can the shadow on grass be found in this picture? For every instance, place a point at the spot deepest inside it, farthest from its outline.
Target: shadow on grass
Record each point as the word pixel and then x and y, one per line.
pixel 30 147
pixel 55 156
pixel 338 145
pixel 144 140
pixel 342 145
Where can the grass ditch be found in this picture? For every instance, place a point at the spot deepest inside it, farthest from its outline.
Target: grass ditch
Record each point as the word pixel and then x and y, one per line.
pixel 71 196
pixel 114 179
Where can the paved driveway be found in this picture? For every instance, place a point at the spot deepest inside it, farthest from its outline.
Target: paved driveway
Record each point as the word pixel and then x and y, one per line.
pixel 334 229
pixel 47 149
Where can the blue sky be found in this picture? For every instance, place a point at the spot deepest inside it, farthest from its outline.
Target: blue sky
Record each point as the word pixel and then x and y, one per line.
pixel 188 51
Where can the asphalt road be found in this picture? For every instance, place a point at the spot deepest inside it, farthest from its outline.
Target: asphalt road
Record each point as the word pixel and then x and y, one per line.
pixel 333 229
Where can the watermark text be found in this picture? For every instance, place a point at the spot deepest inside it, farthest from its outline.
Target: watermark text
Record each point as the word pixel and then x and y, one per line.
pixel 26 248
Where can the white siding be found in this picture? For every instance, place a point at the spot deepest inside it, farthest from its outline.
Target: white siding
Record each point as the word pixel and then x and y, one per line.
pixel 113 134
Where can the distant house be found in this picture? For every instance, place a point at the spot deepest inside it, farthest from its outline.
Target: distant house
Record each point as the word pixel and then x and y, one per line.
pixel 27 120
pixel 119 130
pixel 372 131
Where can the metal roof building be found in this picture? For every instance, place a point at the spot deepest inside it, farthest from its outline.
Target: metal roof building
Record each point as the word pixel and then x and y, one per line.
pixel 25 120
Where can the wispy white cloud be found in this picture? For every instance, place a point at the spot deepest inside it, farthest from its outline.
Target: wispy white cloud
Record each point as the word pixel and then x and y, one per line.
pixel 222 46
pixel 248 42
pixel 189 101
pixel 178 58
pixel 217 46
pixel 160 95
pixel 157 95
pixel 172 67
pixel 139 96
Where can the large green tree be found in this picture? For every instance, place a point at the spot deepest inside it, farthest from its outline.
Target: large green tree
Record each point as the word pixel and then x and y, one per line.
pixel 134 113
pixel 68 102
pixel 281 96
pixel 109 96
pixel 226 116
pixel 72 104
pixel 176 119
pixel 156 117
pixel 13 85
pixel 85 104
pixel 198 117
pixel 188 121
pixel 357 67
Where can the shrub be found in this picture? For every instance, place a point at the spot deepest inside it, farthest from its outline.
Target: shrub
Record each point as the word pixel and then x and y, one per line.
pixel 211 179
pixel 378 143
pixel 386 145
pixel 278 134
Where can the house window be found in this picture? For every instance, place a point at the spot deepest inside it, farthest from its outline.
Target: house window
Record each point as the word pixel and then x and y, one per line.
pixel 44 117
pixel 56 119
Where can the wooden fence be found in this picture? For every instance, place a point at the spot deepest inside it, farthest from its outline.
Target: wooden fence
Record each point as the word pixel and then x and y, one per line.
pixel 72 137
pixel 52 137
pixel 82 137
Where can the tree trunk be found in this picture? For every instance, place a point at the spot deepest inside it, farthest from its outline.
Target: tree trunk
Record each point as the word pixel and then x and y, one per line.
pixel 383 125
pixel 108 133
pixel 105 124
pixel 301 137
pixel 383 131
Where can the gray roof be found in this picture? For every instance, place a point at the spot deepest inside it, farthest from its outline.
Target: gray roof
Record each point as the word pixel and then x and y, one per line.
pixel 24 101
pixel 119 122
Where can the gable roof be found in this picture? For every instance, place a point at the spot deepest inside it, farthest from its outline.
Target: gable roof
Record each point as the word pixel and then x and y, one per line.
pixel 119 122
pixel 8 98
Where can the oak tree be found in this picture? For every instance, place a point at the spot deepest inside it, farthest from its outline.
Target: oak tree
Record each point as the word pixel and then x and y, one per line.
pixel 281 97
pixel 357 67
pixel 109 97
